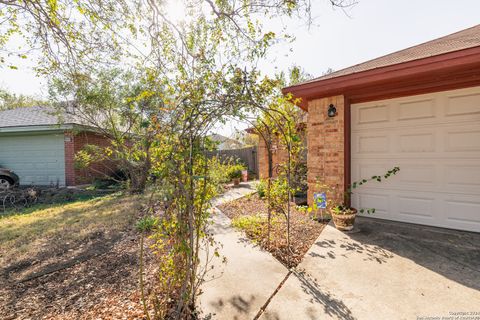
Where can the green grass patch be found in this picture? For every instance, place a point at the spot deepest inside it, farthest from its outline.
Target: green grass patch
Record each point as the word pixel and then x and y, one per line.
pixel 32 229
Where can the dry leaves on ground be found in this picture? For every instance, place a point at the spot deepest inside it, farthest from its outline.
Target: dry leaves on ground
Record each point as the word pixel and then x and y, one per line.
pixel 303 229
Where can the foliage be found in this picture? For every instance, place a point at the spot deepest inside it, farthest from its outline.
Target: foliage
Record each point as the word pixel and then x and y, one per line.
pixel 279 195
pixel 10 101
pixel 261 187
pixel 176 81
pixel 121 106
pixel 337 207
pixel 246 138
pixel 278 126
pixel 235 171
pixel 218 172
pixel 222 172
pixel 299 175
pixel 147 223
pixel 356 184
pixel 253 225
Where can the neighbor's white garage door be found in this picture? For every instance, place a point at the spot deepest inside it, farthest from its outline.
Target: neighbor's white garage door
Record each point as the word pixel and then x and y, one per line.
pixel 435 140
pixel 37 159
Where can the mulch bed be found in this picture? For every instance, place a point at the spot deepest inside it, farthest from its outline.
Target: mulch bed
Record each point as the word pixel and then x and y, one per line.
pixel 303 229
pixel 101 283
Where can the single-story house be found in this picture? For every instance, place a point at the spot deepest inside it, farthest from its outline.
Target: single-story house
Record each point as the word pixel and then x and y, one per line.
pixel 225 143
pixel 41 149
pixel 419 109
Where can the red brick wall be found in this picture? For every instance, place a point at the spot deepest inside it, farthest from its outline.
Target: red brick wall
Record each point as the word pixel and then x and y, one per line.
pixel 279 156
pixel 326 146
pixel 262 160
pixel 69 159
pixel 77 141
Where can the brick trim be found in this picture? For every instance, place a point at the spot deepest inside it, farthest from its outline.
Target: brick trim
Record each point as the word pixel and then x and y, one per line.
pixel 69 143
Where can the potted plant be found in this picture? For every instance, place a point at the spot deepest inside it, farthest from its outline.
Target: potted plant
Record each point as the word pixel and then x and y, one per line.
pixel 235 176
pixel 234 173
pixel 343 215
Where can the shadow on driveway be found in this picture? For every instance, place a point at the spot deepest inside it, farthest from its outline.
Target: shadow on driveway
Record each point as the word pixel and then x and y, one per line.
pixel 450 253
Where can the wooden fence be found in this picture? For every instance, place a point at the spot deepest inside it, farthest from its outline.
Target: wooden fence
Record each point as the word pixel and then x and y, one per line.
pixel 248 156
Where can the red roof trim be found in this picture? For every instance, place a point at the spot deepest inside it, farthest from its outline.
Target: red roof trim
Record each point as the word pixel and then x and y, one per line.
pixel 411 69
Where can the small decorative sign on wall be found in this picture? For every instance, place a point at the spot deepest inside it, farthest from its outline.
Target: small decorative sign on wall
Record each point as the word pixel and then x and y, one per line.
pixel 320 199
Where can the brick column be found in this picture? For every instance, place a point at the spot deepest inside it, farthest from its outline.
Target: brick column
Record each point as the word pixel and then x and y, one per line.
pixel 69 142
pixel 326 145
pixel 262 155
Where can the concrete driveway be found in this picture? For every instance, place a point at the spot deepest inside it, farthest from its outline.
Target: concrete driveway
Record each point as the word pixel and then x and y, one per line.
pixel 384 270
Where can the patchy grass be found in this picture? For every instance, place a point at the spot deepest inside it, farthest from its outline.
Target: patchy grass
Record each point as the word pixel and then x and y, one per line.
pixel 249 214
pixel 26 232
pixel 72 261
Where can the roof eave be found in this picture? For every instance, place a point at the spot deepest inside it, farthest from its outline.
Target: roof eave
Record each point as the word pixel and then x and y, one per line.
pixel 51 127
pixel 338 85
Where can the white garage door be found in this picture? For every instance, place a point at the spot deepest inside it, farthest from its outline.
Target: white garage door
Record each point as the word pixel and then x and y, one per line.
pixel 435 140
pixel 37 159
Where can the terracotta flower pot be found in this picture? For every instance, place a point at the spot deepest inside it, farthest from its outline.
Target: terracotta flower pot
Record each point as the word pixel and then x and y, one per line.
pixel 344 222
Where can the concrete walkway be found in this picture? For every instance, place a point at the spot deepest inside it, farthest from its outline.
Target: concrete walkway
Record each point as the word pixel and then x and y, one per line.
pixel 383 270
pixel 238 288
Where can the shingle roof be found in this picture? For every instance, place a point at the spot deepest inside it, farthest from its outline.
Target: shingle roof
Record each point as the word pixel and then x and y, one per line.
pixel 32 116
pixel 460 40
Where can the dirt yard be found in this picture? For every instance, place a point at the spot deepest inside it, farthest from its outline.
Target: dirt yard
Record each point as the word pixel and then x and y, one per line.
pixel 73 261
pixel 250 215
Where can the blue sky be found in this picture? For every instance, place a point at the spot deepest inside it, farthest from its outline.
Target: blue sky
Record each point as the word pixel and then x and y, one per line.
pixel 372 28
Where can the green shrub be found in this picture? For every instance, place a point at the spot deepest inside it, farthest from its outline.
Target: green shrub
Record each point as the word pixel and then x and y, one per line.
pixel 217 171
pixel 146 224
pixel 261 188
pixel 235 171
pixel 252 225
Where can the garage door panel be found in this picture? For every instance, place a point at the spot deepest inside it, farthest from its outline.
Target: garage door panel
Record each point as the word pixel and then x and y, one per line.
pixel 463 213
pixel 372 114
pixel 38 159
pixel 416 207
pixel 466 104
pixel 464 175
pixel 416 142
pixel 463 140
pixel 373 144
pixel 374 200
pixel 437 147
pixel 416 109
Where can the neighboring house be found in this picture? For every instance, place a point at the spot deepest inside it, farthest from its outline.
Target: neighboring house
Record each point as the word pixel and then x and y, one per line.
pixel 225 143
pixel 418 109
pixel 41 149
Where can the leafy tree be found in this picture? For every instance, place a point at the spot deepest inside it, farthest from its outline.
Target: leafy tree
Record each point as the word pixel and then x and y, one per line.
pixel 122 106
pixel 10 100
pixel 194 73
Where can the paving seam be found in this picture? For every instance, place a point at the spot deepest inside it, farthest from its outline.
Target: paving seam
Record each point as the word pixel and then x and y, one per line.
pixel 264 307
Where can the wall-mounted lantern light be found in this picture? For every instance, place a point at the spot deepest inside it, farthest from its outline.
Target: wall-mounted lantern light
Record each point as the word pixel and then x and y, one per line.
pixel 332 111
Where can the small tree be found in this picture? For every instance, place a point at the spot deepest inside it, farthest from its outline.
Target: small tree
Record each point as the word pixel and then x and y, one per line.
pixel 121 106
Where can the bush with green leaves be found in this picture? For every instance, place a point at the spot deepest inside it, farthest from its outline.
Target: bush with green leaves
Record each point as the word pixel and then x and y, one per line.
pixel 255 226
pixel 217 172
pixel 146 224
pixel 261 187
pixel 235 171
